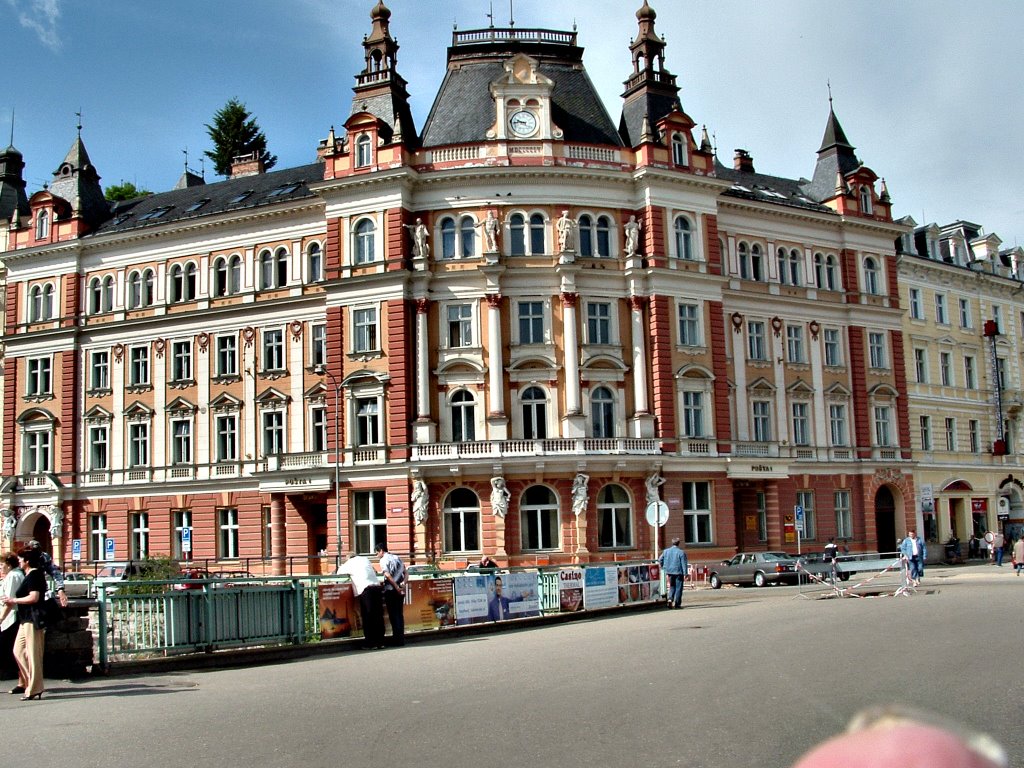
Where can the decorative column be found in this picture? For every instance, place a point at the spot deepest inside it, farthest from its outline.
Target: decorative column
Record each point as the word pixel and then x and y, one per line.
pixel 497 420
pixel 278 535
pixel 573 422
pixel 642 421
pixel 424 430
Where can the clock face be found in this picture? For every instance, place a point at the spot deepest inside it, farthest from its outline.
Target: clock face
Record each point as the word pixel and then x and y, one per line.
pixel 522 122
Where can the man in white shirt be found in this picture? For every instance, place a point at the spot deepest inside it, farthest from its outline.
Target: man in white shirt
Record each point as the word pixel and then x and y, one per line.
pixel 393 570
pixel 368 591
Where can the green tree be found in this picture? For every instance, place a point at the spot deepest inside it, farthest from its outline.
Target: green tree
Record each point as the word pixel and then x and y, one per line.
pixel 124 191
pixel 235 132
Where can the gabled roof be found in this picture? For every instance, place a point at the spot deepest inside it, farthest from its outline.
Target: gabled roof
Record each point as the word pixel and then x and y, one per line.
pixel 768 189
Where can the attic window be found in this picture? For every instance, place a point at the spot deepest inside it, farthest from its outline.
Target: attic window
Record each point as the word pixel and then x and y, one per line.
pixel 122 219
pixel 197 205
pixel 773 193
pixel 240 197
pixel 740 188
pixel 284 189
pixel 156 213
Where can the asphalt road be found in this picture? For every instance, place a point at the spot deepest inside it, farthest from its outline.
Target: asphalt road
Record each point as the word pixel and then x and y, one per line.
pixel 740 677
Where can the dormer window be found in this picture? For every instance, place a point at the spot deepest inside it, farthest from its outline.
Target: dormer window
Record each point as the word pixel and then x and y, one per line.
pixel 42 225
pixel 239 197
pixel 679 149
pixel 865 200
pixel 364 153
pixel 156 213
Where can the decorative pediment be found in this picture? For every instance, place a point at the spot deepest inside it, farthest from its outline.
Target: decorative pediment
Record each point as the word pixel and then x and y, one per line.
pixel 800 388
pixel 225 402
pixel 604 362
pixel 534 363
pixel 459 366
pixel 318 392
pixel 181 406
pixel 272 396
pixel 98 415
pixel 138 411
pixel 365 376
pixel 837 392
pixel 36 415
pixel 761 385
pixel 882 391
pixel 694 371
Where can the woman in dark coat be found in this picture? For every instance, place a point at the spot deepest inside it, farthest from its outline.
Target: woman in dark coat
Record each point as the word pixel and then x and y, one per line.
pixel 31 638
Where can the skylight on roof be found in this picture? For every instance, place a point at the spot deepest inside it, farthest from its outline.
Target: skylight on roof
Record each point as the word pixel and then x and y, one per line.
pixel 156 213
pixel 740 188
pixel 284 189
pixel 240 197
pixel 197 205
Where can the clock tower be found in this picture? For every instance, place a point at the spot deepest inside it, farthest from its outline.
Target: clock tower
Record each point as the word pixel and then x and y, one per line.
pixel 522 99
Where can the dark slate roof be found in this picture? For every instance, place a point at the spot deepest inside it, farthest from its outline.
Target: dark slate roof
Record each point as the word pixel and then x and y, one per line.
pixel 835 155
pixel 651 104
pixel 12 184
pixel 463 109
pixel 769 189
pixel 266 189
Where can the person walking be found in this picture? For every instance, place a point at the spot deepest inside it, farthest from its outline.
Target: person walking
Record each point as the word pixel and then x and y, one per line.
pixel 12 578
pixel 1018 555
pixel 673 562
pixel 366 586
pixel 913 553
pixel 998 541
pixel 50 569
pixel 393 570
pixel 31 637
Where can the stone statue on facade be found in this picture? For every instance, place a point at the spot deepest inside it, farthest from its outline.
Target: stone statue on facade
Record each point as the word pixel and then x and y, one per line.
pixel 632 229
pixel 419 501
pixel 420 239
pixel 499 497
pixel 579 494
pixel 653 483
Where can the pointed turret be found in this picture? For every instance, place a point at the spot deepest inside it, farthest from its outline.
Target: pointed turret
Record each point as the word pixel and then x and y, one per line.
pixel 379 89
pixel 13 201
pixel 651 91
pixel 835 156
pixel 77 181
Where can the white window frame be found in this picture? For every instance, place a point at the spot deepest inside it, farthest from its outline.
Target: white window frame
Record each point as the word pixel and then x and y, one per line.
pixel 462 524
pixel 841 503
pixel 600 326
pixel 916 309
pixel 878 357
pixel 698 522
pixel 365 330
pixel 227 352
pixel 227 533
pixel 138 366
pixel 690 325
pixel 833 343
pixel 274 350
pixel 99 370
pixel 541 514
pixel 613 513
pixel 531 318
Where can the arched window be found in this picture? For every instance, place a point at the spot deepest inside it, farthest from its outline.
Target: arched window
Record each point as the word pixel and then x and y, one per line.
pixel 602 412
pixel 789 267
pixel 140 289
pixel 147 288
pixel 220 277
pixel 95 296
pixel 865 200
pixel 539 518
pixel 535 424
pixel 40 303
pixel 462 521
pixel 364 245
pixel 537 234
pixel 586 225
pixel 107 294
pixel 463 417
pixel 281 267
pixel 517 234
pixel 47 312
pixel 757 270
pixel 447 238
pixel 614 518
pixel 794 267
pixel 679 149
pixel 684 238
pixel 819 270
pixel 177 287
pixel 315 262
pixel 363 151
pixel 235 274
pixel 42 225
pixel 467 233
pixel 743 255
pixel 871 272
pixel 604 236
pixel 831 273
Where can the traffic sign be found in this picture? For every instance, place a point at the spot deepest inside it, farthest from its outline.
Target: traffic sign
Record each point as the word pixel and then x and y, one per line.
pixel 108 549
pixel 76 549
pixel 186 539
pixel 657 513
pixel 798 515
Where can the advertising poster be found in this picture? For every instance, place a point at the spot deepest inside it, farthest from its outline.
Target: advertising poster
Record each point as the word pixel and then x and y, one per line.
pixel 570 590
pixel 600 589
pixel 339 615
pixel 431 604
pixel 513 595
pixel 638 583
pixel 470 599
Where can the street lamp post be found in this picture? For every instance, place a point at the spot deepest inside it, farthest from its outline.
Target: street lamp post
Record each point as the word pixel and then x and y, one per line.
pixel 322 370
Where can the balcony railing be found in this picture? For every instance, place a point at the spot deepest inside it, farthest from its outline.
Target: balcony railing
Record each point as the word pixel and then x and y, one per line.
pixel 551 447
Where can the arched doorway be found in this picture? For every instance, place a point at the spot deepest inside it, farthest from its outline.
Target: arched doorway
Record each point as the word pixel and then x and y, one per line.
pixel 885 520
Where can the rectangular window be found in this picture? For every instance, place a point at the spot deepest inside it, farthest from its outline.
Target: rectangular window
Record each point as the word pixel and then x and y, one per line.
pixel 98 448
pixel 940 309
pixel 318 429
pixel 364 330
pixel 762 410
pixel 755 341
pixel 318 344
pixel 997 316
pixel 227 532
pixel 925 423
pixel 801 424
pixel 762 516
pixel 946 368
pixel 883 435
pixel 805 499
pixel 40 381
pixel 99 370
pixel 181 361
pixel 138 364
pixel 531 322
pixel 833 350
pixel 38 454
pixel 226 433
pixel 1001 372
pixel 876 350
pixel 689 326
pixel 268 533
pixel 950 434
pixel 920 366
pixel 795 344
pixel 844 515
pixel 97 536
pixel 837 424
pixel 182 519
pixel 181 441
pixel 460 326
pixel 599 322
pixel 970 376
pixel 139 549
pixel 916 310
pixel 965 313
pixel 227 356
pixel 370 520
pixel 138 445
pixel 974 428
pixel 697 512
pixel 273 433
pixel 693 414
pixel 273 350
pixel 367 421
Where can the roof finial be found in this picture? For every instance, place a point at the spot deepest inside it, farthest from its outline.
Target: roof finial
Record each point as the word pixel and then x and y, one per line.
pixel 490 14
pixel 828 84
pixel 185 153
pixel 78 114
pixel 12 128
pixel 511 15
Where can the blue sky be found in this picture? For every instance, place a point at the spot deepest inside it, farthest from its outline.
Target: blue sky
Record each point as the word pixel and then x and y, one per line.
pixel 929 91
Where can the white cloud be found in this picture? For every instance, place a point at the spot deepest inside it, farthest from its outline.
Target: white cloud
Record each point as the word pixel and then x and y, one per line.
pixel 41 17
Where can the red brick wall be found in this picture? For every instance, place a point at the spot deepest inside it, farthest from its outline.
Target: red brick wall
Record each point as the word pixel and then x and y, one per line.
pixel 714 250
pixel 717 330
pixel 654 236
pixel 395 240
pixel 72 286
pixel 900 373
pixel 335 364
pixel 662 375
pixel 858 376
pixel 11 309
pixel 67 367
pixel 333 249
pixel 12 385
pixel 850 273
pixel 400 345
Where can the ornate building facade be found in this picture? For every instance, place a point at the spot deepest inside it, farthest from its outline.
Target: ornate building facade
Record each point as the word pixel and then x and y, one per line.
pixel 508 333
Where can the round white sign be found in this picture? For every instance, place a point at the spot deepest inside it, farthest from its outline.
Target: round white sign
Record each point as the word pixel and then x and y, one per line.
pixel 657 513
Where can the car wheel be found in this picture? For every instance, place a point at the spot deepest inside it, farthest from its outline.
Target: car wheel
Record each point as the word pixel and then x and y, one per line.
pixel 844 577
pixel 715 582
pixel 759 580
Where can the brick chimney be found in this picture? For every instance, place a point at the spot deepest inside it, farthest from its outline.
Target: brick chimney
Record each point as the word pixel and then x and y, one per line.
pixel 742 161
pixel 246 165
